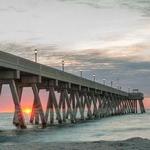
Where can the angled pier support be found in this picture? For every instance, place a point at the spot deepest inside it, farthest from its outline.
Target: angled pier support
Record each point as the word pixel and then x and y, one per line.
pixel 80 98
pixel 75 102
pixel 34 113
pixel 37 114
pixel 19 119
pixel 87 105
pixel 38 104
pixel 51 105
pixel 19 90
pixel 141 106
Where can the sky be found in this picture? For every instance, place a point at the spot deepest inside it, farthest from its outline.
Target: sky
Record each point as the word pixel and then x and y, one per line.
pixel 108 38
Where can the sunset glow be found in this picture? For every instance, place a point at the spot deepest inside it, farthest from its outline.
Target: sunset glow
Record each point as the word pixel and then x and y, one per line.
pixel 27 110
pixel 112 42
pixel 75 74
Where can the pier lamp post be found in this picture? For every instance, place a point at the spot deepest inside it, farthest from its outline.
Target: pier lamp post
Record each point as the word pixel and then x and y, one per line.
pixel 81 73
pixel 94 77
pixel 63 65
pixel 111 83
pixel 104 81
pixel 35 53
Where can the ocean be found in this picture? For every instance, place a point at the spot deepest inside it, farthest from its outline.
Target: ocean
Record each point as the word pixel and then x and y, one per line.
pixel 109 129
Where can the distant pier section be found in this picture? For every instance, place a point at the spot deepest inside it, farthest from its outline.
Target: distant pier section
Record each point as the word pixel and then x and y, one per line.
pixel 79 98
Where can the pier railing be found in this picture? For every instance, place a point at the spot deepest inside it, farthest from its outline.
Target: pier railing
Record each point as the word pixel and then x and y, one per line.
pixel 69 95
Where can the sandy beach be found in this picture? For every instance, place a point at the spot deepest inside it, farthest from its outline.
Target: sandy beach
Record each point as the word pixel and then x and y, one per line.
pixel 129 144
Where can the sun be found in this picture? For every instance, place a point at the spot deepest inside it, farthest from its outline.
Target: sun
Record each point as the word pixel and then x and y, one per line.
pixel 27 110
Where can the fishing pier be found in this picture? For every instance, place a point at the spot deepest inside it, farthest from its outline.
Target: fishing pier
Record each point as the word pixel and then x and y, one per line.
pixel 79 98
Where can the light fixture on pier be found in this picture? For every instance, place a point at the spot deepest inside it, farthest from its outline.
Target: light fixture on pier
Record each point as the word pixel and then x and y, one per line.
pixel 81 73
pixel 63 65
pixel 94 77
pixel 111 83
pixel 36 53
pixel 104 81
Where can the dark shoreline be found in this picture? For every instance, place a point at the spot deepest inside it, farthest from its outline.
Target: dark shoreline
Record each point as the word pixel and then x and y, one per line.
pixel 129 144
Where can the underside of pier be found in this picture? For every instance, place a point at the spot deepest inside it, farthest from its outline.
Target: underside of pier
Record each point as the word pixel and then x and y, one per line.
pixel 71 98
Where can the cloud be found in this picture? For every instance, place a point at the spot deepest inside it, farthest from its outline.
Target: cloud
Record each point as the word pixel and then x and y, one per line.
pixel 140 5
pixel 128 63
pixel 127 59
pixel 111 57
pixel 112 43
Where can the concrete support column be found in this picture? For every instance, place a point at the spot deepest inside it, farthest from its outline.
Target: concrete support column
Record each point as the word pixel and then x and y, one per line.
pixel 18 110
pixel 78 105
pixel 126 106
pixel 118 104
pixel 141 106
pixel 62 105
pixel 122 105
pixel 95 110
pixel 19 90
pixel 99 105
pixel 135 106
pixel 82 100
pixel 115 104
pixel 132 103
pixel 0 88
pixel 38 104
pixel 104 106
pixel 65 104
pixel 88 105
pixel 110 104
pixel 73 104
pixel 51 104
pixel 69 109
pixel 129 107
pixel 35 112
pixel 50 107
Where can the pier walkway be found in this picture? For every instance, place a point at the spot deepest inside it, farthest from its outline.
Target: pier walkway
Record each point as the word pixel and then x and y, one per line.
pixel 79 98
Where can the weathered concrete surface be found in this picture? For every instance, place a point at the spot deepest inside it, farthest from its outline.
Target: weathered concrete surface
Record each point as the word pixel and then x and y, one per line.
pixel 76 93
pixel 9 61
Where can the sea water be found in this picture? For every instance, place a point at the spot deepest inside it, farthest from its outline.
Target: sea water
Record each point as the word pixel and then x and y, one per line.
pixel 109 129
